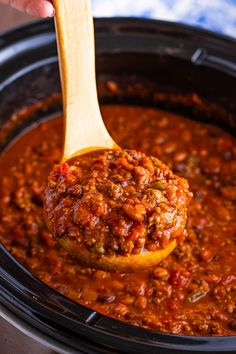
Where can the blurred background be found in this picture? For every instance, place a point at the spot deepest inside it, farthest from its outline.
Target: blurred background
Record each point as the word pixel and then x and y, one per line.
pixel 215 15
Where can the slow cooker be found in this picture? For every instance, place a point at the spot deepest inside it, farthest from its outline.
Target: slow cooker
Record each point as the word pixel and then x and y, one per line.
pixel 159 56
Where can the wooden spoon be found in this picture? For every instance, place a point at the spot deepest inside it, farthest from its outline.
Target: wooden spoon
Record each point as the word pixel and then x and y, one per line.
pixel 83 125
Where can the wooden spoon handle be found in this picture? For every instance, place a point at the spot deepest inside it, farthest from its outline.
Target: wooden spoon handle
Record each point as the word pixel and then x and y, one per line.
pixel 84 126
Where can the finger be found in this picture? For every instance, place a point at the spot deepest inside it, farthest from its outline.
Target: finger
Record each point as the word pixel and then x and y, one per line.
pixel 40 8
pixel 36 8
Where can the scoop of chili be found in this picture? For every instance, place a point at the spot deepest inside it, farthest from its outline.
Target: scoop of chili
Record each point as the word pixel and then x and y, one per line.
pixel 116 202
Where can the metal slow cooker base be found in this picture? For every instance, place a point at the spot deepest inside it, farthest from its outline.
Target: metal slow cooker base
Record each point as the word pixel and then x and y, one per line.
pixel 20 341
pixel 179 59
pixel 18 337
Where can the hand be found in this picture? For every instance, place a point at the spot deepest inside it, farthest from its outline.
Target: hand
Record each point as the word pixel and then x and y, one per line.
pixel 36 8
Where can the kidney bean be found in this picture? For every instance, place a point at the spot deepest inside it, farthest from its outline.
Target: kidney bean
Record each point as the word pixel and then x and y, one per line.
pixel 160 273
pixel 141 302
pixel 106 298
pixel 179 278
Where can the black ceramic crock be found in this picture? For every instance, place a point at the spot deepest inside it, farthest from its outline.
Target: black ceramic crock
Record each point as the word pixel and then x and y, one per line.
pixel 163 57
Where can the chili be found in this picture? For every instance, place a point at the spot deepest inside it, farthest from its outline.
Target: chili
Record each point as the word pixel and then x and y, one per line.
pixel 192 291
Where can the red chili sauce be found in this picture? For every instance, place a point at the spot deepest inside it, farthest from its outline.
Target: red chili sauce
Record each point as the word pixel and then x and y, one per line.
pixel 193 291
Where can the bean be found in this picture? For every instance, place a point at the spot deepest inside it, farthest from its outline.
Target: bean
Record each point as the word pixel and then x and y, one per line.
pixel 231 307
pixel 127 299
pixel 163 122
pixel 160 273
pixel 138 288
pixel 120 309
pixel 160 139
pixel 112 86
pixel 100 275
pixel 203 152
pixel 179 278
pixel 117 285
pixel 89 294
pixel 106 298
pixel 136 212
pixel 150 320
pixel 223 213
pixel 196 99
pixel 169 147
pixel 141 302
pixel 206 255
pixel 186 136
pixel 180 156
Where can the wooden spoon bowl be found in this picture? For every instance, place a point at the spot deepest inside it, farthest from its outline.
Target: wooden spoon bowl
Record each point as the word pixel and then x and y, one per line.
pixel 122 264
